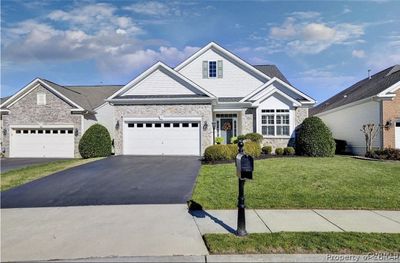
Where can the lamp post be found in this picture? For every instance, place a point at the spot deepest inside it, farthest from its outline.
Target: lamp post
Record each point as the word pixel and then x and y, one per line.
pixel 214 125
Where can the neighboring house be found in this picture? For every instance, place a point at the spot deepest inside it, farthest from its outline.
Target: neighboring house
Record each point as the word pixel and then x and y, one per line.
pixel 171 111
pixel 375 99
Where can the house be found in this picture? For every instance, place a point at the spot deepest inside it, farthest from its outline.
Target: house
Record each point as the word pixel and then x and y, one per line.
pixel 375 99
pixel 164 110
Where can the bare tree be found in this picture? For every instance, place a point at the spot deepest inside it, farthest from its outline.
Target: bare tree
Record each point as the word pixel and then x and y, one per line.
pixel 370 131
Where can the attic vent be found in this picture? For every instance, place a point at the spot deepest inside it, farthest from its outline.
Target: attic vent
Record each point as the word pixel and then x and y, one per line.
pixel 345 96
pixel 393 70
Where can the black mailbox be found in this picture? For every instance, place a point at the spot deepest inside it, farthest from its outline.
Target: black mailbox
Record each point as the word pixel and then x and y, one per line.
pixel 244 166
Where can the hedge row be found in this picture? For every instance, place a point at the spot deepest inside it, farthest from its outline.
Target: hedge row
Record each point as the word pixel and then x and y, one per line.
pixel 221 152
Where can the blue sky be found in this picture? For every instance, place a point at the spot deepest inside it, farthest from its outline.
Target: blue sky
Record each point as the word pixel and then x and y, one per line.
pixel 322 47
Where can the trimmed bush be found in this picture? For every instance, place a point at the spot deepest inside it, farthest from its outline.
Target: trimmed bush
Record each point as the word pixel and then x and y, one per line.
pixel 95 142
pixel 234 139
pixel 266 149
pixel 278 151
pixel 254 137
pixel 340 146
pixel 222 152
pixel 289 151
pixel 219 140
pixel 241 137
pixel 315 139
pixel 385 154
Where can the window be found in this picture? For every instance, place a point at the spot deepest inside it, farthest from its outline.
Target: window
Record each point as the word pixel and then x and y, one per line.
pixel 167 125
pixel 157 125
pixel 275 122
pixel 149 125
pixel 139 125
pixel 195 125
pixel 70 131
pixel 176 125
pixel 185 125
pixel 41 98
pixel 131 125
pixel 40 131
pixel 48 131
pixel 212 69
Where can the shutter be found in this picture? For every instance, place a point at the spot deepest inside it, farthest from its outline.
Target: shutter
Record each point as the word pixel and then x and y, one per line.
pixel 205 69
pixel 219 69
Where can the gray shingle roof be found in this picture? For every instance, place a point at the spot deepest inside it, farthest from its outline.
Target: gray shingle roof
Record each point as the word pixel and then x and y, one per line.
pixel 162 96
pixel 4 99
pixel 88 97
pixel 363 89
pixel 272 71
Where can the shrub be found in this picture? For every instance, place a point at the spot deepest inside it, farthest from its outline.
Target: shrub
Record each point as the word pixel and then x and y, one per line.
pixel 234 139
pixel 385 154
pixel 95 142
pixel 221 152
pixel 241 137
pixel 314 138
pixel 252 148
pixel 278 151
pixel 267 149
pixel 254 137
pixel 340 146
pixel 289 151
pixel 219 140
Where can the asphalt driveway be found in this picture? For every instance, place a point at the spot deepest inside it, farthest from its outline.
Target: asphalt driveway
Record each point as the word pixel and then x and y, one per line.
pixel 8 164
pixel 111 181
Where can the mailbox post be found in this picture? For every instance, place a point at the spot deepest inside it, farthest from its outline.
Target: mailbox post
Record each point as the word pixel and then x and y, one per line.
pixel 244 171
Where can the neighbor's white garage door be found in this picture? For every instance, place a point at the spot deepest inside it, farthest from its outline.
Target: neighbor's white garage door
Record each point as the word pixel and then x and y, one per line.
pixel 43 142
pixel 162 138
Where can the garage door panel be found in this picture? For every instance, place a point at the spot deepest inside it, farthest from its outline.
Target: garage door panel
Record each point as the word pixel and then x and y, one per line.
pixel 162 138
pixel 43 142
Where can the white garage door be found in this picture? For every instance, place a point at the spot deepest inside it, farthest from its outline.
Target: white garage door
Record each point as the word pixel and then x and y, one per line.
pixel 162 138
pixel 43 142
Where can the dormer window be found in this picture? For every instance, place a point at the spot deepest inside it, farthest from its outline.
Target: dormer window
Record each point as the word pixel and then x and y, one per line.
pixel 212 69
pixel 41 98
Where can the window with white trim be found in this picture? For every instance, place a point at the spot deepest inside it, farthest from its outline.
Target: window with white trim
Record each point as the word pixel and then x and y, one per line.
pixel 41 98
pixel 212 69
pixel 275 122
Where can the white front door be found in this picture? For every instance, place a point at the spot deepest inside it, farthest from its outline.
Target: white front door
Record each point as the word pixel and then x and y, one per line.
pixel 42 142
pixel 161 138
pixel 397 135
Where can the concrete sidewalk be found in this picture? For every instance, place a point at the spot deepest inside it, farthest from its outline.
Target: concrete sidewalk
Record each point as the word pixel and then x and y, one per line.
pixel 29 234
pixel 309 220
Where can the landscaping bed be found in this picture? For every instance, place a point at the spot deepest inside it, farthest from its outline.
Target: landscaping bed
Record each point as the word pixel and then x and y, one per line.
pixel 303 182
pixel 21 176
pixel 303 243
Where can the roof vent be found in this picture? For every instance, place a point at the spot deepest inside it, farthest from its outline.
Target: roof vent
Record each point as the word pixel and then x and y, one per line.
pixel 345 96
pixel 369 74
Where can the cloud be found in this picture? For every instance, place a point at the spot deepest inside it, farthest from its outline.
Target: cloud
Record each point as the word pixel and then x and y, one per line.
pixel 91 32
pixel 305 15
pixel 358 53
pixel 312 37
pixel 385 55
pixel 150 8
pixel 346 10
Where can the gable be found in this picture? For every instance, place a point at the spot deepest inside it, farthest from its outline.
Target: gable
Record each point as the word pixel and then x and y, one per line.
pixel 276 101
pixel 29 100
pixel 161 82
pixel 237 79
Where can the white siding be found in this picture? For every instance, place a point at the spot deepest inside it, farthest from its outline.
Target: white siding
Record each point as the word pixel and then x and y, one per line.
pixel 236 82
pixel 159 82
pixel 276 101
pixel 345 124
pixel 104 116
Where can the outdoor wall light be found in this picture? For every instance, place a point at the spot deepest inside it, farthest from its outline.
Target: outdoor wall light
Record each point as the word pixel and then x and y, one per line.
pixel 205 126
pixel 4 131
pixel 117 125
pixel 76 132
pixel 388 124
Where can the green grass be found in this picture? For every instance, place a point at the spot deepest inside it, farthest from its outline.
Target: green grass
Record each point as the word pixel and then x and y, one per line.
pixel 21 176
pixel 302 242
pixel 338 182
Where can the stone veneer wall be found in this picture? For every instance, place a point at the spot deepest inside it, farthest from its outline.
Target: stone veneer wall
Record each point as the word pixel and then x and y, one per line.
pixel 300 115
pixel 249 121
pixel 390 111
pixel 27 112
pixel 153 111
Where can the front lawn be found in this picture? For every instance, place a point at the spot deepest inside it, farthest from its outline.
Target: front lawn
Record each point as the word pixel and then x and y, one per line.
pixel 21 176
pixel 303 243
pixel 302 182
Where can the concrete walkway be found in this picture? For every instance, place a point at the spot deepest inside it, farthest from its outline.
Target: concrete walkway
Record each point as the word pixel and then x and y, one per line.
pixel 266 221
